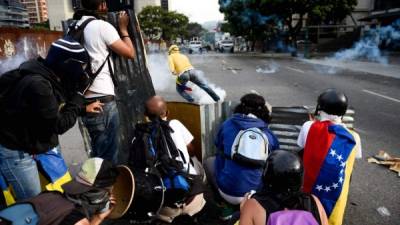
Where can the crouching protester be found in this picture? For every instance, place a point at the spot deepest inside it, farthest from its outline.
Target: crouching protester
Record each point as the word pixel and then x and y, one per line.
pixel 244 142
pixel 330 150
pixel 38 101
pixel 88 199
pixel 281 201
pixel 161 147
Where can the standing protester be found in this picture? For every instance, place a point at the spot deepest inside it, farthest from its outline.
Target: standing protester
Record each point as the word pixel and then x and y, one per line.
pixel 281 200
pixel 330 150
pixel 181 67
pixel 99 37
pixel 87 200
pixel 39 101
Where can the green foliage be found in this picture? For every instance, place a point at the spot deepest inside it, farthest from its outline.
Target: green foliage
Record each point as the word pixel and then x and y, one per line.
pixel 194 30
pixel 253 18
pixel 158 23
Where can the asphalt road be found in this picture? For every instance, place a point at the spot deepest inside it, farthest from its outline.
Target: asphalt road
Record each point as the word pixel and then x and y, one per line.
pixel 375 98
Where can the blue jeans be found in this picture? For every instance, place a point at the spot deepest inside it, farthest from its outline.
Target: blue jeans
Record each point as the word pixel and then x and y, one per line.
pixel 104 132
pixel 20 171
pixel 190 75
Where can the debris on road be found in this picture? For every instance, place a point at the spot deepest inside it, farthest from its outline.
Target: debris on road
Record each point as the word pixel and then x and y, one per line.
pixel 383 158
pixel 383 211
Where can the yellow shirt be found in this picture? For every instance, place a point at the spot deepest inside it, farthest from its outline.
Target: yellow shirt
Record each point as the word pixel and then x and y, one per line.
pixel 179 63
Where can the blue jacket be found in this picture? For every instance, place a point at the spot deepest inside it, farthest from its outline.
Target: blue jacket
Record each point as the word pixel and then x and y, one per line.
pixel 234 179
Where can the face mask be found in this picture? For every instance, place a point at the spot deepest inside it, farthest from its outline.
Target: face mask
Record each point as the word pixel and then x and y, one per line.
pixel 74 77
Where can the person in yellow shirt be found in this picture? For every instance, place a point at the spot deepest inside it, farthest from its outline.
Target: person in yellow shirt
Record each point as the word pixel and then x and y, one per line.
pixel 181 67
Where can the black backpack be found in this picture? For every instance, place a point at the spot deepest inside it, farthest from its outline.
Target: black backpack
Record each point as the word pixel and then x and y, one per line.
pixel 76 32
pixel 154 151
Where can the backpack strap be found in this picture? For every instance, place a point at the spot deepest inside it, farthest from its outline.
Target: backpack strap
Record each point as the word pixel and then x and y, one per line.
pixel 323 218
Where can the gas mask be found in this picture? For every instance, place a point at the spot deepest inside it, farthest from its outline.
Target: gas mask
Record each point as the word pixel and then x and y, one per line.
pixel 93 202
pixel 74 76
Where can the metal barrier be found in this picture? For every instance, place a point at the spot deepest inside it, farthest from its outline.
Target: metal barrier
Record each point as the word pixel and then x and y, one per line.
pixel 203 121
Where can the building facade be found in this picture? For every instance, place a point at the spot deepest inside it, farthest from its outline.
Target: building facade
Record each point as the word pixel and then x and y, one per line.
pixel 37 10
pixel 13 14
pixel 59 10
pixel 165 4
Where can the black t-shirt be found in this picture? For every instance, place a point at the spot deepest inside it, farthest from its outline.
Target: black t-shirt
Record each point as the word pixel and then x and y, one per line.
pixel 72 218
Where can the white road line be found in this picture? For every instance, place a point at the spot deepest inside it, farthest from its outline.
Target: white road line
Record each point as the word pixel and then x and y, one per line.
pixel 382 96
pixel 294 69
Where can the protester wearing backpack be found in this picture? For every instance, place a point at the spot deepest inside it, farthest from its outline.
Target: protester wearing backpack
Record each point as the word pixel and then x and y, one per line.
pixel 99 38
pixel 281 202
pixel 243 142
pixel 39 101
pixel 156 150
pixel 93 196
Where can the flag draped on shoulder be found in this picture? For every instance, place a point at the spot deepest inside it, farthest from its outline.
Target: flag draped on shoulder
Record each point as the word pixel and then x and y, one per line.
pixel 329 156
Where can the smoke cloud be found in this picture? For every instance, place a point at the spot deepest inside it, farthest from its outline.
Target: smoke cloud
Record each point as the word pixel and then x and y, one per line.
pixel 160 74
pixel 271 67
pixel 164 81
pixel 369 47
pixel 200 96
pixel 20 55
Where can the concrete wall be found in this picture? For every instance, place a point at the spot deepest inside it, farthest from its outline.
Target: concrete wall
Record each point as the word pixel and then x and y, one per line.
pixel 59 10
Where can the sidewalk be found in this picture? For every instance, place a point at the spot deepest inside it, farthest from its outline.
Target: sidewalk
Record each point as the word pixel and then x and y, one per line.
pixel 390 70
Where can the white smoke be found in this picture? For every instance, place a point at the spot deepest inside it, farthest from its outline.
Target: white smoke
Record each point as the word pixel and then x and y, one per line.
pixel 160 74
pixel 271 67
pixel 200 96
pixel 19 54
pixel 164 81
pixel 368 48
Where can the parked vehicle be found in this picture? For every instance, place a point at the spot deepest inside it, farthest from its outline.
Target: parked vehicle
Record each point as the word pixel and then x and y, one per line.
pixel 195 46
pixel 225 46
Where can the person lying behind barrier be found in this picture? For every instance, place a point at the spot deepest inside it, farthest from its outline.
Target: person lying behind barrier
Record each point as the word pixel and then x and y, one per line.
pixel 329 153
pixel 281 200
pixel 181 67
pixel 100 38
pixel 88 199
pixel 243 142
pixel 161 146
pixel 38 101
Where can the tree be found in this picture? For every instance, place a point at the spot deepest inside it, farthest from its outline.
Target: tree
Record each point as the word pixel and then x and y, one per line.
pixel 253 16
pixel 158 23
pixel 194 30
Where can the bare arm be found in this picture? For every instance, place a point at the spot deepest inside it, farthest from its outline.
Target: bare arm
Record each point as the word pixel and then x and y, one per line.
pixel 252 213
pixel 124 46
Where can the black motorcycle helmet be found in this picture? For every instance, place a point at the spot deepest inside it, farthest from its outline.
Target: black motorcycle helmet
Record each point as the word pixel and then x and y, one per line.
pixel 283 172
pixel 332 102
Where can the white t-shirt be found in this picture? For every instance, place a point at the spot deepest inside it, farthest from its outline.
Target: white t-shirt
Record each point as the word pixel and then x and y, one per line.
pixel 301 140
pixel 100 34
pixel 182 137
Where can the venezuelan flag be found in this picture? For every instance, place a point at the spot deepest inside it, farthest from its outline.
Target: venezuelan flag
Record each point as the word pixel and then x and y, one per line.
pixel 329 156
pixel 54 169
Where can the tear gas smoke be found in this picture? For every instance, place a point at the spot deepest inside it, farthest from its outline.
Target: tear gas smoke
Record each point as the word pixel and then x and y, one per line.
pixel 19 55
pixel 23 50
pixel 164 81
pixel 160 73
pixel 271 67
pixel 369 46
pixel 200 96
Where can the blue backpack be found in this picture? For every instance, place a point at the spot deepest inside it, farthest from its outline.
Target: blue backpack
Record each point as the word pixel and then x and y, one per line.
pixel 20 214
